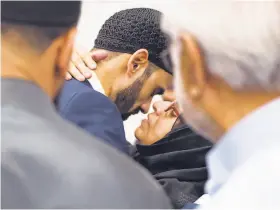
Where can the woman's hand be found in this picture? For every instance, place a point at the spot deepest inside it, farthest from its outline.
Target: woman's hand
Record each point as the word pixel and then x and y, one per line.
pixel 160 106
pixel 82 63
pixel 155 127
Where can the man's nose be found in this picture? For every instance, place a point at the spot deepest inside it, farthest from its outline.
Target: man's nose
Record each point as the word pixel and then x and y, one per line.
pixel 146 106
pixel 169 95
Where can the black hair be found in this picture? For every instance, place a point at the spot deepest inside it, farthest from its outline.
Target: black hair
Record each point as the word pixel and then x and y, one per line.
pixel 37 23
pixel 39 38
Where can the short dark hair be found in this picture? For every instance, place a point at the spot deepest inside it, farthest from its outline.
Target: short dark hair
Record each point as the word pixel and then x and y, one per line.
pixel 38 23
pixel 40 38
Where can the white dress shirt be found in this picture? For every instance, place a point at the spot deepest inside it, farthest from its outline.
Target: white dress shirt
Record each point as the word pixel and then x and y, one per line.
pixel 244 167
pixel 96 84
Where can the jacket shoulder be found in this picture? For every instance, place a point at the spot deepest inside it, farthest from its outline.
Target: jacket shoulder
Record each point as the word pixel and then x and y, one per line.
pixel 75 92
pixel 64 167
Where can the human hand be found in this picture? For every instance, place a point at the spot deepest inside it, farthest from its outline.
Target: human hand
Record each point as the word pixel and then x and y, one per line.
pixel 160 106
pixel 155 127
pixel 83 63
pixel 164 106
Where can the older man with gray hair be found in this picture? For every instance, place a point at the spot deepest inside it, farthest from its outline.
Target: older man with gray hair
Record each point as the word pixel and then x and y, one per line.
pixel 226 57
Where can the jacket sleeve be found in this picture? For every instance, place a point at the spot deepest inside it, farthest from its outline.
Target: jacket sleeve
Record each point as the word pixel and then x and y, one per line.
pixel 99 116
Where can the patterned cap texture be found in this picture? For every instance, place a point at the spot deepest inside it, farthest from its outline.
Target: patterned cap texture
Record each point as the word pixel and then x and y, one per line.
pixel 132 29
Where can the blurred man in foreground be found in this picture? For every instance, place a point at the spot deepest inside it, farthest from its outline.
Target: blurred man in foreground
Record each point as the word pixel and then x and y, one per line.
pixel 226 57
pixel 47 162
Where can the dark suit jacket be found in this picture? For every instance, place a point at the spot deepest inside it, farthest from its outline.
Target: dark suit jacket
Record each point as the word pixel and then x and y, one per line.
pixel 49 163
pixel 79 103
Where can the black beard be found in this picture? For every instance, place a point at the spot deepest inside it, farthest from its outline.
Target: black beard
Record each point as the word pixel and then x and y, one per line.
pixel 126 98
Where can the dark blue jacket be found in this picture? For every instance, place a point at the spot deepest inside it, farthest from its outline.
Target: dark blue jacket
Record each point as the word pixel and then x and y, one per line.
pixel 92 111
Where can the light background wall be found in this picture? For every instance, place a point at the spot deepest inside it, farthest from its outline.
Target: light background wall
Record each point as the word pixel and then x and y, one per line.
pixel 94 14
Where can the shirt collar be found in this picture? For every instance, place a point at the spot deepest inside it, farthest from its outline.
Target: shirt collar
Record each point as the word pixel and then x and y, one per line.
pixel 252 134
pixel 96 84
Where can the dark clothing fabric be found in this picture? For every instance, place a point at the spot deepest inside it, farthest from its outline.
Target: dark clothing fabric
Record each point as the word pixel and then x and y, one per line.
pixel 178 163
pixel 79 103
pixel 41 13
pixel 49 163
pixel 191 206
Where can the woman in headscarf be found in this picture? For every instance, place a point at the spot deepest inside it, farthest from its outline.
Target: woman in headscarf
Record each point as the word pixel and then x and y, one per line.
pixel 174 154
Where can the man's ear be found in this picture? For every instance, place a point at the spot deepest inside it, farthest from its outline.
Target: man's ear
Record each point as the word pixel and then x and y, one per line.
pixel 65 51
pixel 192 66
pixel 139 60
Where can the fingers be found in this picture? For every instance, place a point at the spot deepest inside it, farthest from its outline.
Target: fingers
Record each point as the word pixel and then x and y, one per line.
pixel 99 55
pixel 160 106
pixel 82 64
pixel 68 76
pixel 171 106
pixel 91 58
pixel 87 60
pixel 75 72
pixel 78 68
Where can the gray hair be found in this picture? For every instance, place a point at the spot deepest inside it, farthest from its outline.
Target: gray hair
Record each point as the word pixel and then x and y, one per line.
pixel 240 40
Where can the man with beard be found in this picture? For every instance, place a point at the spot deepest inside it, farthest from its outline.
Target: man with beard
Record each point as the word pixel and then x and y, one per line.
pixel 131 74
pixel 227 79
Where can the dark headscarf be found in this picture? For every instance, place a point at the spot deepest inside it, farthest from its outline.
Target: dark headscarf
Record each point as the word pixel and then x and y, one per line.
pixel 178 163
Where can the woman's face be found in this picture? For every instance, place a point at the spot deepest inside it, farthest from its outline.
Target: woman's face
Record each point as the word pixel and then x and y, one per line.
pixel 155 127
